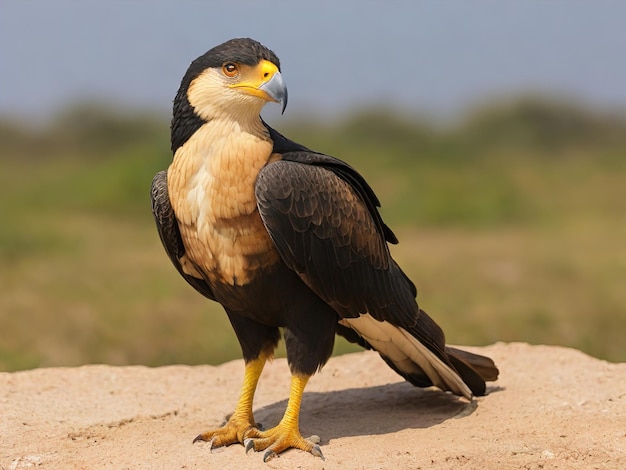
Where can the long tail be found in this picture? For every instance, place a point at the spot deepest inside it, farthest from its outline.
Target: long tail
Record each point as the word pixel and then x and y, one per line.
pixel 418 354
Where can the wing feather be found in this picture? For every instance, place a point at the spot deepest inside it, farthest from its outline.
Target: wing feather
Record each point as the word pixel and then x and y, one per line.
pixel 167 226
pixel 327 231
pixel 330 233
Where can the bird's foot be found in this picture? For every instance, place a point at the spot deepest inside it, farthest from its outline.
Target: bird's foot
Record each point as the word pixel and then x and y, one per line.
pixel 280 438
pixel 236 430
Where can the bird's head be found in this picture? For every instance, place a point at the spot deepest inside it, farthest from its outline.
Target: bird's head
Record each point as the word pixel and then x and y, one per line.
pixel 238 76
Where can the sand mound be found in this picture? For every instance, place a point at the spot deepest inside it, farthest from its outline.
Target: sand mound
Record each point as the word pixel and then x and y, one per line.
pixel 551 408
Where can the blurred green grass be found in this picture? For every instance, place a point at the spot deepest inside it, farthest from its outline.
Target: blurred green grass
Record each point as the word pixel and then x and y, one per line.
pixel 511 222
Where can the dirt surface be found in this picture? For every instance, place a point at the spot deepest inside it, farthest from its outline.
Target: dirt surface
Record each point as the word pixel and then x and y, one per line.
pixel 551 408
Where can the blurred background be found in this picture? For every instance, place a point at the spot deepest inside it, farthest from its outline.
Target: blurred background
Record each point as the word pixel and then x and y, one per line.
pixel 494 133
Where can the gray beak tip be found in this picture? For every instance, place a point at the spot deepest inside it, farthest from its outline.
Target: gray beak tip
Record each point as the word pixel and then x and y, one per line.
pixel 284 102
pixel 276 88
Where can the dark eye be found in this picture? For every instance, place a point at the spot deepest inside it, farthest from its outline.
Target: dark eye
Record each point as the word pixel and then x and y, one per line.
pixel 230 69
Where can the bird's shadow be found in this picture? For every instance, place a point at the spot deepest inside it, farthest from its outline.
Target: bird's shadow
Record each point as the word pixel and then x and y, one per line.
pixel 381 409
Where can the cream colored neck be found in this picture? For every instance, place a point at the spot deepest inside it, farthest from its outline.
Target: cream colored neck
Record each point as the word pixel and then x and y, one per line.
pixel 211 185
pixel 218 166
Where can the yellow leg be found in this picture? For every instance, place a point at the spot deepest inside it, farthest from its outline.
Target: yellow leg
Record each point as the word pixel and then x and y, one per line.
pixel 287 433
pixel 241 423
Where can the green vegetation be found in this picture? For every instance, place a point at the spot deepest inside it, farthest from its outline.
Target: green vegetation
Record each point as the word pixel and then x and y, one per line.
pixel 511 223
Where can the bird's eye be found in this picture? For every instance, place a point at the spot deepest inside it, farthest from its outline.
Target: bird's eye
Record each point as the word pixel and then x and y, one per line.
pixel 230 69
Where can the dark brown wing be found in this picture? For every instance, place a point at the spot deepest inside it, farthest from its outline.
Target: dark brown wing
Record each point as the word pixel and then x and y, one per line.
pixel 327 231
pixel 322 218
pixel 167 226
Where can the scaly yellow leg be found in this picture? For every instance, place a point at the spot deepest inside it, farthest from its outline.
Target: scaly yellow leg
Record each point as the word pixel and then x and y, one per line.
pixel 287 433
pixel 241 423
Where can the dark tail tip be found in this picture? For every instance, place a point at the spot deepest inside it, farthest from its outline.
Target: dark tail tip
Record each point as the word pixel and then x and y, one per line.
pixel 474 369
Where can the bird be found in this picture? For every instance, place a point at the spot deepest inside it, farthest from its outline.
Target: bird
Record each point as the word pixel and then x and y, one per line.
pixel 287 240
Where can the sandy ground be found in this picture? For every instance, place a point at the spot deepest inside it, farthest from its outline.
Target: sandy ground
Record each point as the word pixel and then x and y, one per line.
pixel 551 408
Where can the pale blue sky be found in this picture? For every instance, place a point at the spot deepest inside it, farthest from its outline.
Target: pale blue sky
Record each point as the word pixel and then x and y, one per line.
pixel 433 56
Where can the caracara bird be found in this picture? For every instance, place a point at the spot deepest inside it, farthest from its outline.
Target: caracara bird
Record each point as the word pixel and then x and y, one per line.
pixel 286 238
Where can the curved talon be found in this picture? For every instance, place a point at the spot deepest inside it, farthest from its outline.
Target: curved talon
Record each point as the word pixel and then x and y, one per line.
pixel 248 445
pixel 317 452
pixel 211 444
pixel 269 455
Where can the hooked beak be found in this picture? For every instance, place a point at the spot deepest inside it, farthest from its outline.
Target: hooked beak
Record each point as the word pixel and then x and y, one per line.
pixel 263 81
pixel 276 89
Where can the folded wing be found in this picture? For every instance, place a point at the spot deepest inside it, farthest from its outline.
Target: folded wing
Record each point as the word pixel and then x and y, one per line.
pixel 322 217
